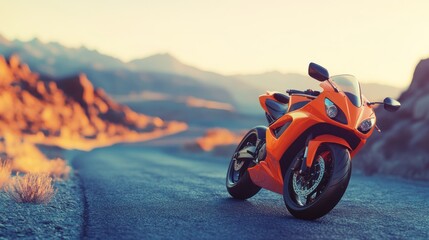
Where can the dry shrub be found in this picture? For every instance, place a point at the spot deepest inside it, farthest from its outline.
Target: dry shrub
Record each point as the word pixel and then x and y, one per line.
pixel 31 188
pixel 5 170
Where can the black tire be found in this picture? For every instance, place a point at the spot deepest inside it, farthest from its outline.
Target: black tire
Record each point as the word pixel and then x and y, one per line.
pixel 336 182
pixel 244 188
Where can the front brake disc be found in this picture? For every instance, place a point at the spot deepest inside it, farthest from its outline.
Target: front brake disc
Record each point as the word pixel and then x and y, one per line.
pixel 301 187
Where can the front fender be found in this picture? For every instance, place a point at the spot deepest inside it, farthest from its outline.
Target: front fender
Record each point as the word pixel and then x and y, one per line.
pixel 315 143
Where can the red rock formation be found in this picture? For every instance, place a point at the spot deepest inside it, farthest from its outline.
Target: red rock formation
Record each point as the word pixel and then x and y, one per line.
pixel 68 113
pixel 220 141
pixel 79 88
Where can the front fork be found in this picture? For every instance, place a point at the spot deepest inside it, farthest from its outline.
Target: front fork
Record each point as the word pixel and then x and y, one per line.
pixel 304 168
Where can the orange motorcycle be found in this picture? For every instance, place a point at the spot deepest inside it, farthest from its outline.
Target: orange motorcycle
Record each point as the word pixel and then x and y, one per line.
pixel 305 152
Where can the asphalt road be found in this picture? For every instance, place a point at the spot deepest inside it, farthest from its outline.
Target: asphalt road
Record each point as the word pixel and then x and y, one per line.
pixel 140 192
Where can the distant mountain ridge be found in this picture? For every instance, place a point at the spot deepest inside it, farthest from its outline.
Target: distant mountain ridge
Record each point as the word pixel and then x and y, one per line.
pixel 106 72
pixel 163 62
pixel 277 81
pixel 161 73
pixel 56 60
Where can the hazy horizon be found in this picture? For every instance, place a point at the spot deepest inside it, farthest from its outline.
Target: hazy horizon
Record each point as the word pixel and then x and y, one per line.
pixel 376 41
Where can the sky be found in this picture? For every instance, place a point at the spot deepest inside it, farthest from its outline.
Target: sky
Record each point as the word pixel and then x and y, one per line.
pixel 377 41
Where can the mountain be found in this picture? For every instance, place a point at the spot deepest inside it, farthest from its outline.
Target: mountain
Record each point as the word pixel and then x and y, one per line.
pixel 162 63
pixel 277 81
pixel 55 61
pixel 402 147
pixel 125 82
pixel 161 73
pixel 69 112
pixel 244 96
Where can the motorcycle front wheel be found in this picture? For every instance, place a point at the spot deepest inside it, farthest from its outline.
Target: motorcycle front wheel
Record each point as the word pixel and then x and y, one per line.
pixel 238 182
pixel 313 194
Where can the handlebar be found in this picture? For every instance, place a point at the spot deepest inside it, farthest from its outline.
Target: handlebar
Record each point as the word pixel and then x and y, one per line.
pixel 293 91
pixel 307 92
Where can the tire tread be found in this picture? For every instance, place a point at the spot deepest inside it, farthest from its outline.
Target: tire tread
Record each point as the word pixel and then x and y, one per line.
pixel 333 193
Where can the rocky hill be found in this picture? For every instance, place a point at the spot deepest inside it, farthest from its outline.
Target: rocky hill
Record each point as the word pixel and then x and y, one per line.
pixel 403 146
pixel 69 113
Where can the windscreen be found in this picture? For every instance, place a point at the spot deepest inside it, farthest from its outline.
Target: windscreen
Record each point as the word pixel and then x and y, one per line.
pixel 350 86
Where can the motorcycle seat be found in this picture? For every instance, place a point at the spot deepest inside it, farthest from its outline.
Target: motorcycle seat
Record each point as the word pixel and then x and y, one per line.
pixel 281 97
pixel 276 109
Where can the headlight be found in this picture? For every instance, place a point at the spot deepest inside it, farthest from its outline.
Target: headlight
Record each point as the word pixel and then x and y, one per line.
pixel 331 109
pixel 366 125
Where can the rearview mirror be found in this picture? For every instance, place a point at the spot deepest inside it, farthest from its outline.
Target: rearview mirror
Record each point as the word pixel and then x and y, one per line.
pixel 318 72
pixel 391 104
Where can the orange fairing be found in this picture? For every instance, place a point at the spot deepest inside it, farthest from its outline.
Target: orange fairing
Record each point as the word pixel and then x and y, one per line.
pixel 284 134
pixel 263 99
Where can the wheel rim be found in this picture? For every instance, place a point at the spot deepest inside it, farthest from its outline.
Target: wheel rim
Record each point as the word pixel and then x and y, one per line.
pixel 238 167
pixel 307 188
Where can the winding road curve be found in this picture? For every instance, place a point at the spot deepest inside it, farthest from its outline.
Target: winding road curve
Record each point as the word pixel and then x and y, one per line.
pixel 140 192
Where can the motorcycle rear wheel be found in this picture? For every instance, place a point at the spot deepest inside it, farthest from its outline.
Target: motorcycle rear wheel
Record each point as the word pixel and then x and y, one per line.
pixel 313 195
pixel 238 182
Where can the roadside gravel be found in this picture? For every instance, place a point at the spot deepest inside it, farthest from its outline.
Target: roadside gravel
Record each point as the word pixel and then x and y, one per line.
pixel 62 218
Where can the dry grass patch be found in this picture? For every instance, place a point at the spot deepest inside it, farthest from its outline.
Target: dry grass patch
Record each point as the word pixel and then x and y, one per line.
pixel 5 171
pixel 31 188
